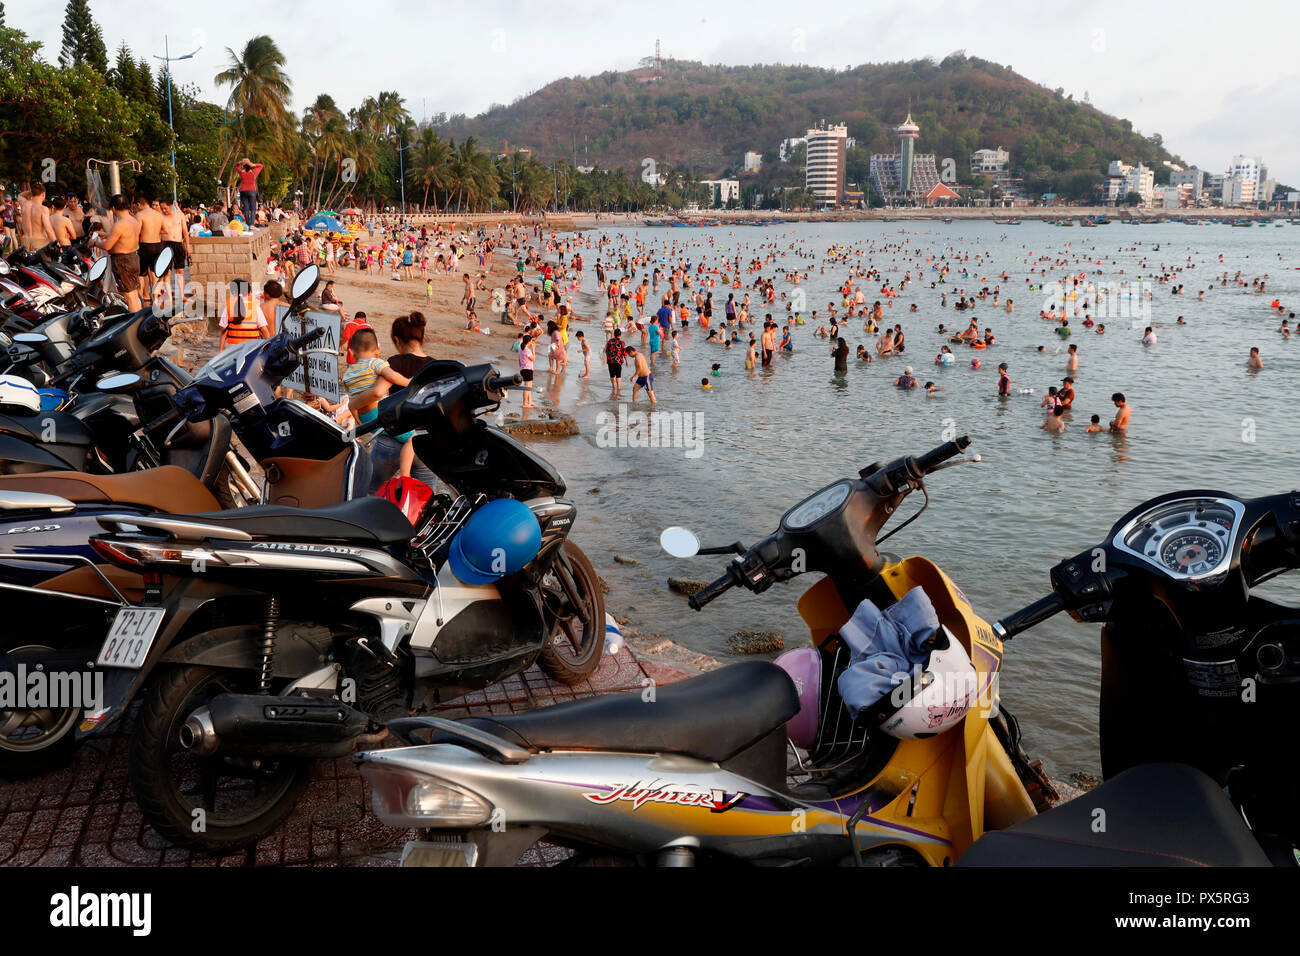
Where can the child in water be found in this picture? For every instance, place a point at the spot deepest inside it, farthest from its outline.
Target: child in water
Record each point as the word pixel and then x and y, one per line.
pixel 1094 425
pixel 704 384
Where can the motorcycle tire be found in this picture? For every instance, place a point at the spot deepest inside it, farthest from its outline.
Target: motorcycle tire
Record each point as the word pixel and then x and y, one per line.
pixel 28 756
pixel 175 693
pixel 573 667
pixel 227 493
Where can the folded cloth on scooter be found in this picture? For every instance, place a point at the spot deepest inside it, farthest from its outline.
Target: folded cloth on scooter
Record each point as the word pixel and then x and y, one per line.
pixel 883 645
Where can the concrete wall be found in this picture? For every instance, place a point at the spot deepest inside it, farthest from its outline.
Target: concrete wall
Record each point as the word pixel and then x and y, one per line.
pixel 217 260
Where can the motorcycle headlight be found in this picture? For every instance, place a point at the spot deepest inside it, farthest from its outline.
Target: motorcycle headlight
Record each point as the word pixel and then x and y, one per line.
pixel 404 798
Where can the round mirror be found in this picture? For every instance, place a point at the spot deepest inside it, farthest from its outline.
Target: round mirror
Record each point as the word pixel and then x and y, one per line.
pixel 4 267
pixel 97 269
pixel 162 265
pixel 31 338
pixel 118 381
pixel 304 284
pixel 679 542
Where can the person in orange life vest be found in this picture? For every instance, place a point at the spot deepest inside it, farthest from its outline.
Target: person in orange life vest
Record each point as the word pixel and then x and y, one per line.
pixel 242 322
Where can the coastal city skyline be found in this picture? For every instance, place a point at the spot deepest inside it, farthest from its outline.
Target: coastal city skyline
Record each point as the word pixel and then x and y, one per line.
pixel 1096 50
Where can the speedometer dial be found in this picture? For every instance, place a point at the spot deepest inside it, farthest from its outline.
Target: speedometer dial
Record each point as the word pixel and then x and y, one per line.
pixel 1191 552
pixel 817 507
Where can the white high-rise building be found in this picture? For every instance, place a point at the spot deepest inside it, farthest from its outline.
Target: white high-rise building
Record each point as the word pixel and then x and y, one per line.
pixel 1141 180
pixel 1247 168
pixel 824 170
pixel 753 161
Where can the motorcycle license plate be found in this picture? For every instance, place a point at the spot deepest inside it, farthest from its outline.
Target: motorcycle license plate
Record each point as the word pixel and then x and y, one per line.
pixel 421 853
pixel 130 637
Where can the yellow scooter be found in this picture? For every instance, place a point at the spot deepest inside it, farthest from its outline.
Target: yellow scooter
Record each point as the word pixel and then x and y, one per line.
pixel 697 770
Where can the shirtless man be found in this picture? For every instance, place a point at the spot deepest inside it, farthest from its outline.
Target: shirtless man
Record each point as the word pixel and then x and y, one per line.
pixel 642 376
pixel 1072 363
pixel 151 243
pixel 34 218
pixel 123 244
pixel 176 238
pixel 1119 423
pixel 1254 361
pixel 77 215
pixel 1054 422
pixel 64 233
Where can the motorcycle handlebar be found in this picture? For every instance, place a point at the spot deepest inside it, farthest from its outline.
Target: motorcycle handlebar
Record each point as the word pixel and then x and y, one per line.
pixel 937 456
pixel 165 420
pixel 306 338
pixel 499 383
pixel 711 591
pixel 1029 616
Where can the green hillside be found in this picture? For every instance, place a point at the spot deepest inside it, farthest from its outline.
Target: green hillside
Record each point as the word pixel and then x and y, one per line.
pixel 704 118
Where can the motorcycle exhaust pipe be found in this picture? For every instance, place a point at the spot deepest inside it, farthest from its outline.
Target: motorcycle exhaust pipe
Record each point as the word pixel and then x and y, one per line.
pixel 265 726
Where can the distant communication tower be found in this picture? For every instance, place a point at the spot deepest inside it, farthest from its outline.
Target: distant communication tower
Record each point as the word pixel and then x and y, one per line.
pixel 656 63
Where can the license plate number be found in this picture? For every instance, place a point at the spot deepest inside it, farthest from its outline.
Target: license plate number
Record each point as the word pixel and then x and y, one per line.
pixel 130 637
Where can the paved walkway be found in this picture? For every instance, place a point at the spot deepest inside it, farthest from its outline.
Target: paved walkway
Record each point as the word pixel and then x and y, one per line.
pixel 84 814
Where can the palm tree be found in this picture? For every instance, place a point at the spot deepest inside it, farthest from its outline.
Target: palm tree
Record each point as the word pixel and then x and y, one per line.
pixel 430 165
pixel 260 90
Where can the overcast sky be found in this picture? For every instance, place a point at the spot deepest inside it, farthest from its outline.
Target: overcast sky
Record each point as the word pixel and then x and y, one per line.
pixel 1214 79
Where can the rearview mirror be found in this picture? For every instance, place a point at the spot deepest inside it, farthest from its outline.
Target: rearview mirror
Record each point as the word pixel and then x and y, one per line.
pixel 118 382
pixel 31 338
pixel 4 267
pixel 679 542
pixel 97 269
pixel 304 284
pixel 163 264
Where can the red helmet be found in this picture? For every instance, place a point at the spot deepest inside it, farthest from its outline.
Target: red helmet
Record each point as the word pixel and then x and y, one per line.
pixel 409 494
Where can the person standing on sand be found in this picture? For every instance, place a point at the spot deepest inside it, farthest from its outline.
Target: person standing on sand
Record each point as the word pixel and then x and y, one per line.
pixel 526 358
pixel 586 355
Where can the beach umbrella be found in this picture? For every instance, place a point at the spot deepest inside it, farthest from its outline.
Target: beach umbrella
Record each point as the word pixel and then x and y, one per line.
pixel 323 222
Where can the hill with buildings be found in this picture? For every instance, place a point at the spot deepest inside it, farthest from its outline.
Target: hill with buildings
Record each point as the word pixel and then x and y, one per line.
pixel 703 119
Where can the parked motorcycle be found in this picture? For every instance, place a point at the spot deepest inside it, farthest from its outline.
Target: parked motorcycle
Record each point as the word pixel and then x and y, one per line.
pixel 1198 670
pixel 698 771
pixel 274 635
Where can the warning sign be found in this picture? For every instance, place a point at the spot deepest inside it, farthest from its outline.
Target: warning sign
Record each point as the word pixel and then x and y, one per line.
pixel 320 366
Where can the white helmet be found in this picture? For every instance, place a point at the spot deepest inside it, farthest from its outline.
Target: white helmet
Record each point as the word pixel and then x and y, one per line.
pixel 18 396
pixel 935 698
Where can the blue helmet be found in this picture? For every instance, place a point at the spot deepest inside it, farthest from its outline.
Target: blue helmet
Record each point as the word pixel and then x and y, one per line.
pixel 497 540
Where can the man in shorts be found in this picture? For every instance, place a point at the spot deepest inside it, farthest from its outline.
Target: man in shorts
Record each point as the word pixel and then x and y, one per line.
pixel 123 244
pixel 642 377
pixel 615 354
pixel 176 238
pixel 151 243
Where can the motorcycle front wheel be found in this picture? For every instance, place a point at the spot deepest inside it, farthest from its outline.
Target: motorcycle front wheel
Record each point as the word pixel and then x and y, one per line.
pixel 574 608
pixel 220 802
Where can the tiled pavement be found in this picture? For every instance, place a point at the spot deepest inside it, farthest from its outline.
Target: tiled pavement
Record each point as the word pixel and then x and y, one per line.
pixel 84 814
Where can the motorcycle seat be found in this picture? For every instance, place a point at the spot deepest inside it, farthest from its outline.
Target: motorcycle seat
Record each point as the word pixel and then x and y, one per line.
pixel 61 428
pixel 1155 815
pixel 712 717
pixel 167 489
pixel 370 519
